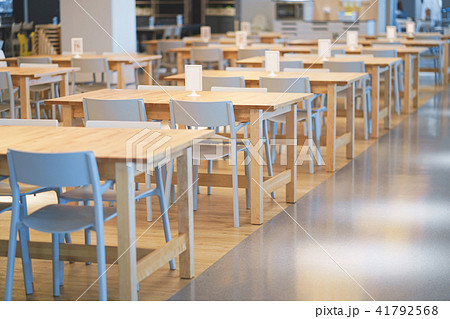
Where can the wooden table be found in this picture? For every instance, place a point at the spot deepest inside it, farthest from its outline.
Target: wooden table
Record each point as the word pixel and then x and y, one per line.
pixel 231 53
pixel 26 77
pixel 115 163
pixel 119 62
pixel 374 66
pixel 442 45
pixel 249 107
pixel 265 37
pixel 321 83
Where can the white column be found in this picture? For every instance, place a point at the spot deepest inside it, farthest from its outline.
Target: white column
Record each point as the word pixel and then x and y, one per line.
pixel 104 25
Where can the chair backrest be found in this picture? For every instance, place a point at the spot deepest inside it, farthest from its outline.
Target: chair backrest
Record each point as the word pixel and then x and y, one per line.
pixel 353 56
pixel 84 53
pixel 92 66
pixel 387 45
pixel 114 110
pixel 231 81
pixel 38 65
pixel 3 64
pixel 5 81
pixel 333 52
pixel 125 124
pixel 287 85
pixel 419 36
pixel 53 170
pixel 250 53
pixel 381 53
pixel 2 54
pixel 234 89
pixel 203 44
pixel 291 64
pixel 23 44
pixel 201 114
pixel 15 28
pixel 207 55
pixel 28 26
pixel 297 70
pixel 26 122
pixel 235 68
pixel 32 59
pixel 161 88
pixel 344 66
pixel 163 47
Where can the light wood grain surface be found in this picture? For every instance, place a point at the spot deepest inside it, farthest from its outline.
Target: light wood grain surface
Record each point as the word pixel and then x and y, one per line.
pixel 106 143
pixel 239 99
pixel 316 60
pixel 340 78
pixel 37 72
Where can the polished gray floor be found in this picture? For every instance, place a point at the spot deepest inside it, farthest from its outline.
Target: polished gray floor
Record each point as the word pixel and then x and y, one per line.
pixel 378 229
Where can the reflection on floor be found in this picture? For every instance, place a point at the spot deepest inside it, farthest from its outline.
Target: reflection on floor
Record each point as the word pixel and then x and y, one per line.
pixel 377 229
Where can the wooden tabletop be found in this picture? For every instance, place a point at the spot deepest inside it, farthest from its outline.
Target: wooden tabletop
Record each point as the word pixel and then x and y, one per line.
pixel 106 143
pixel 281 48
pixel 119 57
pixel 317 60
pixel 242 100
pixel 37 72
pixel 408 42
pixel 339 78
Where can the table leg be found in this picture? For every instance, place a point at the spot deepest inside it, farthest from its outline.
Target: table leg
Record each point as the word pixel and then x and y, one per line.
pixel 388 96
pixel 416 69
pixel 25 105
pixel 331 128
pixel 256 187
pixel 126 224
pixel 186 211
pixel 180 63
pixel 121 76
pixel 375 72
pixel 148 78
pixel 446 58
pixel 64 85
pixel 67 115
pixel 350 148
pixel 407 86
pixel 291 136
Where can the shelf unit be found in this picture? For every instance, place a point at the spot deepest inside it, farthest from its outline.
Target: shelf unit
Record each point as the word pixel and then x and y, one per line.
pixel 164 9
pixel 220 14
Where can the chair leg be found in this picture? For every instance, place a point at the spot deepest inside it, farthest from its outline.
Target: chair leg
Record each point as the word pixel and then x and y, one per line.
pixel 310 138
pixel 267 149
pixel 397 91
pixel 23 214
pixel 55 264
pixel 318 128
pixel 249 179
pixel 235 195
pixel 210 170
pixel 164 210
pixel 274 146
pixel 148 200
pixel 26 261
pixel 61 263
pixel 195 184
pixel 12 245
pixel 365 113
pixel 101 263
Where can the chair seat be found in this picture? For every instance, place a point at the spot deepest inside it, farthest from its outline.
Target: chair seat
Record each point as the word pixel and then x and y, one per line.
pixel 5 189
pixel 65 218
pixel 301 116
pixel 216 147
pixel 110 195
pixel 86 87
pixel 40 88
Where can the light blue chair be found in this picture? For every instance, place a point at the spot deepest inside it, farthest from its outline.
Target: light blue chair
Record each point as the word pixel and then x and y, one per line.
pixel 55 170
